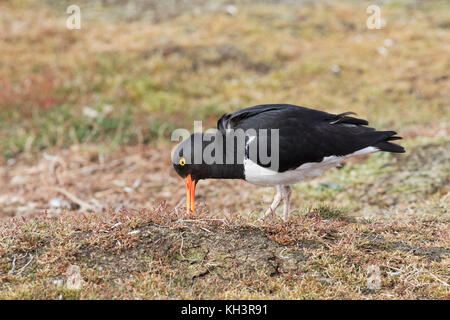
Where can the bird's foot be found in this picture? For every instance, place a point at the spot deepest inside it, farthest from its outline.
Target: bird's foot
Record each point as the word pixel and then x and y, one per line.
pixel 269 212
pixel 283 194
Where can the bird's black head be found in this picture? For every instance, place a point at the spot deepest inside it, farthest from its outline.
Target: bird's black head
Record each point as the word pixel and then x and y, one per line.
pixel 188 159
pixel 188 162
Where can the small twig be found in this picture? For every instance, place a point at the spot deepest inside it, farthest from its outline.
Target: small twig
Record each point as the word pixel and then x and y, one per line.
pixel 14 262
pixel 116 225
pixel 26 265
pixel 439 280
pixel 13 266
pixel 181 247
pixel 161 226
pixel 281 254
pixel 394 273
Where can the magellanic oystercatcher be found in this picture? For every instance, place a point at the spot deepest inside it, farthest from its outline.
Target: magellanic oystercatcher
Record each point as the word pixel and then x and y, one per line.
pixel 276 145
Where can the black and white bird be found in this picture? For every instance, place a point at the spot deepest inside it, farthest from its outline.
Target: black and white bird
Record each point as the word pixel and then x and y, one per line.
pixel 302 142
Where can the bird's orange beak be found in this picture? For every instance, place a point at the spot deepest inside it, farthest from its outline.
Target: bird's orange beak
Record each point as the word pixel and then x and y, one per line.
pixel 190 194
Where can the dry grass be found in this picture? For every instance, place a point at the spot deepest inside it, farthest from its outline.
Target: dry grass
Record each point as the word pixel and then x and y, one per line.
pixel 85 173
pixel 158 253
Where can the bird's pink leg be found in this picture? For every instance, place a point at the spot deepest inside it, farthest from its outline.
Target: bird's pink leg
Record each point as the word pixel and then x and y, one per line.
pixel 286 194
pixel 275 203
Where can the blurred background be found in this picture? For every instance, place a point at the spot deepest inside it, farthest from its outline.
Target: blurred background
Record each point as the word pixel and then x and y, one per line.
pixel 86 114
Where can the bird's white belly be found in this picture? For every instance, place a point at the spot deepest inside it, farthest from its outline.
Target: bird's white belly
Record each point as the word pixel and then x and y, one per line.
pixel 262 176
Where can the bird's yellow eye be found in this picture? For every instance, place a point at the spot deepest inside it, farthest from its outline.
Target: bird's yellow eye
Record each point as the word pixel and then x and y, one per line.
pixel 182 161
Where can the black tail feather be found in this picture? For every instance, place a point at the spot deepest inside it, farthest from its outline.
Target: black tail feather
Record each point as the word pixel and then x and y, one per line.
pixel 393 138
pixel 388 146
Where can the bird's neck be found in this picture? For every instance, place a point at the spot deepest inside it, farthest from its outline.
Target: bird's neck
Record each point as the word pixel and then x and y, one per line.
pixel 226 171
pixel 221 159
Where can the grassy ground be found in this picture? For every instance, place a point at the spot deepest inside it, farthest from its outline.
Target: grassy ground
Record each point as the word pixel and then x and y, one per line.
pixel 85 176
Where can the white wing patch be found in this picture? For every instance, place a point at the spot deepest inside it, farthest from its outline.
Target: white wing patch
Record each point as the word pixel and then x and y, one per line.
pixel 262 176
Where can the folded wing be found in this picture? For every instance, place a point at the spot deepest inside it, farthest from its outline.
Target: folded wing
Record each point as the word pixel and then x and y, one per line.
pixel 307 135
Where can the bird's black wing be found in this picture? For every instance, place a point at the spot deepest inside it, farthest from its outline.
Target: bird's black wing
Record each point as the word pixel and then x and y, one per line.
pixel 307 135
